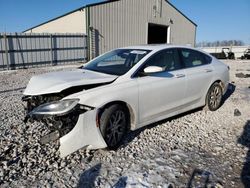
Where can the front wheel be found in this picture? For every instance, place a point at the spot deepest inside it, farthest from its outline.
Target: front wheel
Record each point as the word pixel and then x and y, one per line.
pixel 214 97
pixel 113 124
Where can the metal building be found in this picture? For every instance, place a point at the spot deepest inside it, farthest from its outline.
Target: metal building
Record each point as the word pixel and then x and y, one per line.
pixel 117 23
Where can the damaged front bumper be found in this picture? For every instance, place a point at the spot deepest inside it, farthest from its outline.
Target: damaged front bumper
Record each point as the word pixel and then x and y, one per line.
pixel 75 127
pixel 84 134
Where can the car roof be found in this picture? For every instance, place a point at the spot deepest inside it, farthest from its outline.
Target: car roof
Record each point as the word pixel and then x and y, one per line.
pixel 155 47
pixel 158 47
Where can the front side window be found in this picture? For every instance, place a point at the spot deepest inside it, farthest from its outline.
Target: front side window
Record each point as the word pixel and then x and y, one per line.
pixel 166 59
pixel 117 62
pixel 192 58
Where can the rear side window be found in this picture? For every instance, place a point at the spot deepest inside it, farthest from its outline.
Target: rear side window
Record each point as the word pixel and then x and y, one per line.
pixel 192 58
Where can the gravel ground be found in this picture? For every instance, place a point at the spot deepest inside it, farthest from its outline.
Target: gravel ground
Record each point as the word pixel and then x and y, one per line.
pixel 197 148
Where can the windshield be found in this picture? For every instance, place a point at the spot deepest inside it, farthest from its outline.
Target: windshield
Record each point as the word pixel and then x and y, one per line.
pixel 117 62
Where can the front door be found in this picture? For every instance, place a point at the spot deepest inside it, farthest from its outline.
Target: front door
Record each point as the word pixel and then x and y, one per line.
pixel 161 93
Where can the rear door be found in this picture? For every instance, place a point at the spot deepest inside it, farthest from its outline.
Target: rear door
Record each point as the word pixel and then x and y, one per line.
pixel 199 73
pixel 161 93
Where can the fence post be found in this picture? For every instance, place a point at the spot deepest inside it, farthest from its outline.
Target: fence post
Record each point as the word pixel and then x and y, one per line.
pixel 51 49
pixel 6 50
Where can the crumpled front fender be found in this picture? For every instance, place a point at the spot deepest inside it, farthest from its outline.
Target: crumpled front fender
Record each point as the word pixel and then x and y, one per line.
pixel 84 134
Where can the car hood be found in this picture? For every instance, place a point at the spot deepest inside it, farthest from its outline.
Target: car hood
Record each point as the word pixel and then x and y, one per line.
pixel 55 82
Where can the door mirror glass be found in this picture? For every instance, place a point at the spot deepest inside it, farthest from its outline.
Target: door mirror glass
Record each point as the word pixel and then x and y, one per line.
pixel 153 69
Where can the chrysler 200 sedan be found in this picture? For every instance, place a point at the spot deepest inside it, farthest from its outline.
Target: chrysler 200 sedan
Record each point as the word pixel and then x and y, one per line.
pixel 93 106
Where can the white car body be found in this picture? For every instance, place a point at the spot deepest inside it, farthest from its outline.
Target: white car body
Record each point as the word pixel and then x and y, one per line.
pixel 148 98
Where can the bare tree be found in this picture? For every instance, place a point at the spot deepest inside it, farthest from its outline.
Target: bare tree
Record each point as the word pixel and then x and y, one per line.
pixel 220 43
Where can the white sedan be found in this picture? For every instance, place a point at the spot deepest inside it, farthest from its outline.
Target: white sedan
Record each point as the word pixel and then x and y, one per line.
pixel 92 107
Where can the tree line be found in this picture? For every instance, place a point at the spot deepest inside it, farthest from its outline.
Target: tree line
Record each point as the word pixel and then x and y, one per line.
pixel 220 43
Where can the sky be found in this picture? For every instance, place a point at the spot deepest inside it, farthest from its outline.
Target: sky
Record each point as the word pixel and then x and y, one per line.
pixel 216 19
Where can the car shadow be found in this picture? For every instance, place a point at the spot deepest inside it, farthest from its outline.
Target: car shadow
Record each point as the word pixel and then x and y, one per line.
pixel 88 177
pixel 229 92
pixel 245 141
pixel 133 134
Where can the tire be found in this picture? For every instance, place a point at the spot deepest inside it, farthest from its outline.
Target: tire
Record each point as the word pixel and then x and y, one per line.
pixel 214 97
pixel 113 125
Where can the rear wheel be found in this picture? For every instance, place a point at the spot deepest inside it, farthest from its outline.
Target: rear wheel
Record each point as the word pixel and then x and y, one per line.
pixel 214 97
pixel 113 124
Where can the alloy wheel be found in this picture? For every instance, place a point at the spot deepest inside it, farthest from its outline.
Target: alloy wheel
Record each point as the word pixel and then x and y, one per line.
pixel 215 97
pixel 116 127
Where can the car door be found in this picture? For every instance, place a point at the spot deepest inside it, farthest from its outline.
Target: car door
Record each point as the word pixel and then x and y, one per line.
pixel 161 93
pixel 199 73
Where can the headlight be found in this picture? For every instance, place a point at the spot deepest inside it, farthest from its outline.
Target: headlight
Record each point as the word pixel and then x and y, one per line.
pixel 55 108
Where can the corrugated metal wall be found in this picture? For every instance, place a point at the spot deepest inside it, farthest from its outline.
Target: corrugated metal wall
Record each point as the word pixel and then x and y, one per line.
pixel 125 22
pixel 24 50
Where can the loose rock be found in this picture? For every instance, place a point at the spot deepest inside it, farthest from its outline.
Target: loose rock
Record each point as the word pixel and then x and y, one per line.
pixel 161 155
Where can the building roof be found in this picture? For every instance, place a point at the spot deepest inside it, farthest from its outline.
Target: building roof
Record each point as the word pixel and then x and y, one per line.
pixel 100 3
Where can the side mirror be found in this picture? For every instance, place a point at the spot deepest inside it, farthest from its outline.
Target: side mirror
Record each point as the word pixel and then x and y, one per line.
pixel 153 69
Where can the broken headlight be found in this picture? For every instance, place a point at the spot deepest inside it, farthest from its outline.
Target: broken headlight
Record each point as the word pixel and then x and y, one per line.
pixel 55 108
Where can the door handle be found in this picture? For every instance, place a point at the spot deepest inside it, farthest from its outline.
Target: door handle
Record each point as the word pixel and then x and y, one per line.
pixel 179 75
pixel 208 70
